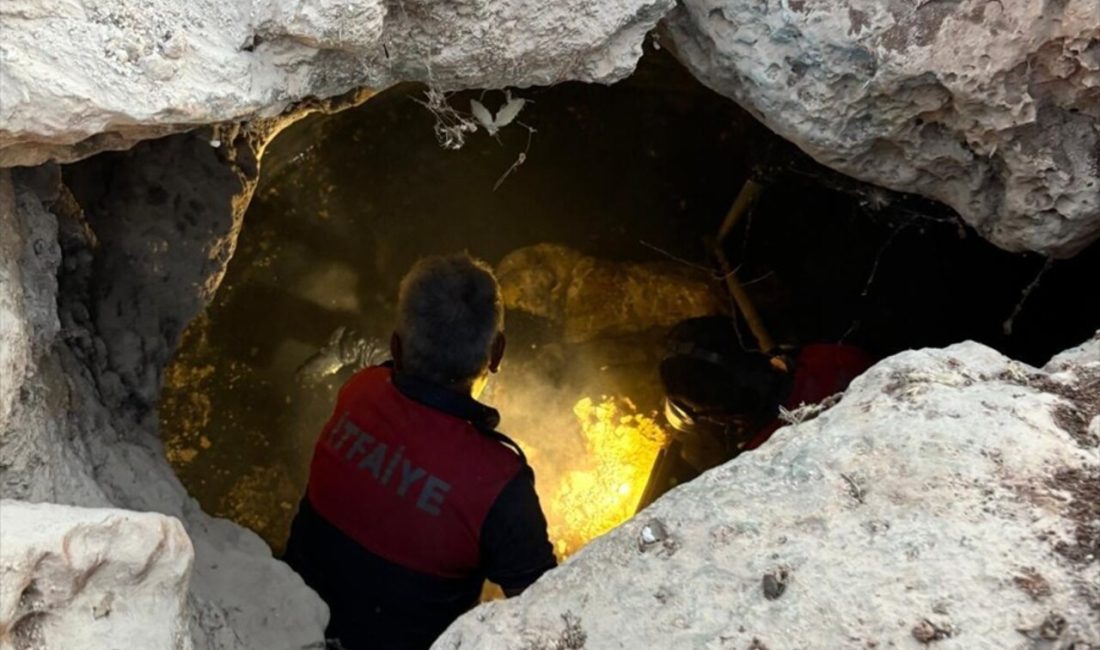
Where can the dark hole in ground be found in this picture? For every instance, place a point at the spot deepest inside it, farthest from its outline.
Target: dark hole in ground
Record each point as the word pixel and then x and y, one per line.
pixel 348 202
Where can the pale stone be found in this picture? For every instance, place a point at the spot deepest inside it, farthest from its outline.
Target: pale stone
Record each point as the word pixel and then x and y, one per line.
pixel 940 500
pixel 80 381
pixel 92 578
pixel 89 75
pixel 991 107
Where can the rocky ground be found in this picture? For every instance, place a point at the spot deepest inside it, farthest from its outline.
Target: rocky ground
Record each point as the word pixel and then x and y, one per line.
pixel 950 499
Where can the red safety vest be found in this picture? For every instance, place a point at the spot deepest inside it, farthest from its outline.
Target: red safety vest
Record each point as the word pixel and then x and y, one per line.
pixel 821 370
pixel 409 483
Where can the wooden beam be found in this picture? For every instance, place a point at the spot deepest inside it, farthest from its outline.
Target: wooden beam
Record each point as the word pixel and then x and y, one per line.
pixel 746 199
pixel 742 205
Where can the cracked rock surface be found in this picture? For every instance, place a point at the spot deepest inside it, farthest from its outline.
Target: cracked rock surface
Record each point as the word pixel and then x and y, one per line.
pixel 990 107
pixel 92 578
pixel 99 273
pixel 947 499
pixel 90 75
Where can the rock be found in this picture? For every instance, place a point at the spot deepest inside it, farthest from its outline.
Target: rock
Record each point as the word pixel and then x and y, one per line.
pixel 90 75
pixel 927 632
pixel 1077 374
pixel 92 578
pixel 977 514
pixel 38 464
pixel 92 303
pixel 652 533
pixel 1083 358
pixel 991 107
pixel 774 584
pixel 590 297
pixel 897 94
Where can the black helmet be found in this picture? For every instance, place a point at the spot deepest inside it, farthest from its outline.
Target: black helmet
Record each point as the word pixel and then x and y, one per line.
pixel 713 385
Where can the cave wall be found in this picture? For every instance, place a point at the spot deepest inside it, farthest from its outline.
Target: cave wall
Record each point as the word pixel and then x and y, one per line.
pixel 106 268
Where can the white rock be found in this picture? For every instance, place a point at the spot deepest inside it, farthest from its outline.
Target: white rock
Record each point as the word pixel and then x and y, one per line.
pixel 38 461
pixel 69 429
pixel 14 339
pixel 990 107
pixel 94 579
pixel 117 71
pixel 326 24
pixel 940 495
pixel 1086 355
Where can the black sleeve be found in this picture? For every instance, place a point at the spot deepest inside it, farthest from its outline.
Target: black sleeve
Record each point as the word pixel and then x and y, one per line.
pixel 515 549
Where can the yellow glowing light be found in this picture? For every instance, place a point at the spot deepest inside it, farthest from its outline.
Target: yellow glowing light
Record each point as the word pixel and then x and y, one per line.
pixel 621 446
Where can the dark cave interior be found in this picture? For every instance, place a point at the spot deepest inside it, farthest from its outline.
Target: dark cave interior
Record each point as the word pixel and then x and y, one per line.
pixel 640 173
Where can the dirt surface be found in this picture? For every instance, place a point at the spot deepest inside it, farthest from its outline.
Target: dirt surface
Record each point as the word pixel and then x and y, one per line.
pixel 1082 403
pixel 1083 509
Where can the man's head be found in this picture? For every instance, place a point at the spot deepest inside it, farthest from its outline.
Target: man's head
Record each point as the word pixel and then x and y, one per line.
pixel 450 321
pixel 710 378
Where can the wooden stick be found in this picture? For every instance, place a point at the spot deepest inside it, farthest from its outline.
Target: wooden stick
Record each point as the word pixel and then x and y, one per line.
pixel 742 205
pixel 746 199
pixel 744 304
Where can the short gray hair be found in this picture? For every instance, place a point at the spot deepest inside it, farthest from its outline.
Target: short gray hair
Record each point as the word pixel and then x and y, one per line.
pixel 449 311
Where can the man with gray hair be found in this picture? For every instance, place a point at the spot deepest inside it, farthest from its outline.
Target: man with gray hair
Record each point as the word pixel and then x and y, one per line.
pixel 414 498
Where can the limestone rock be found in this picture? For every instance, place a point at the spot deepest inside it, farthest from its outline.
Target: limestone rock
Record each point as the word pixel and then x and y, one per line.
pixel 1086 355
pixel 942 501
pixel 38 463
pixel 991 107
pixel 92 302
pixel 92 578
pixel 591 297
pixel 87 75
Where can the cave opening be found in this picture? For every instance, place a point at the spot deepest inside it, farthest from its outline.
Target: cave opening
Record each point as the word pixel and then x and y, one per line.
pixel 616 192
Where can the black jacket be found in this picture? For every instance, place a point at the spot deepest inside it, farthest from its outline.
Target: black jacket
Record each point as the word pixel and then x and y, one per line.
pixel 413 502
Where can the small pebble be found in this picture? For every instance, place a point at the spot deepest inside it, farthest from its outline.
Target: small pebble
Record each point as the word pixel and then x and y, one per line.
pixel 774 584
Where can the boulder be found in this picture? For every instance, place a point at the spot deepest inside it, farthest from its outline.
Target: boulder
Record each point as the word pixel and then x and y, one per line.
pixel 92 578
pixel 950 498
pixel 82 76
pixel 590 297
pixel 991 107
pixel 92 303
